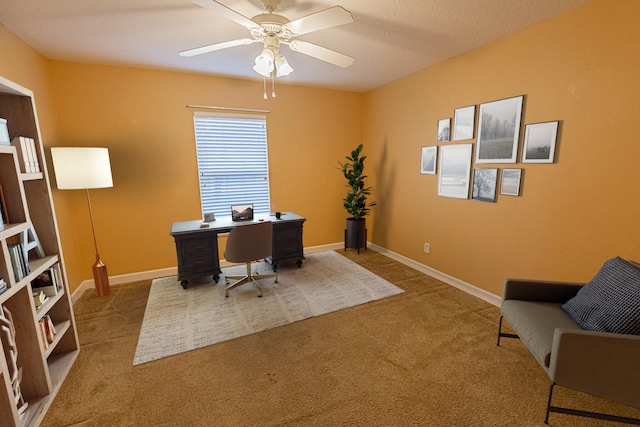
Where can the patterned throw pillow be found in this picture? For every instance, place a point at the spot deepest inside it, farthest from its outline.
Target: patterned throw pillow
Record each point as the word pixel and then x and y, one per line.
pixel 610 302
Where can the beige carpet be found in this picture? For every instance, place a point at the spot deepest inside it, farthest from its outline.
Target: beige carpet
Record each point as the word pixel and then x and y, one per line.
pixel 178 320
pixel 426 357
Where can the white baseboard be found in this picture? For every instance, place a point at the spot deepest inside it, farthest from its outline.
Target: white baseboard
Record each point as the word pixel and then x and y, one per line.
pixel 450 280
pixel 125 278
pixel 322 248
pixel 173 271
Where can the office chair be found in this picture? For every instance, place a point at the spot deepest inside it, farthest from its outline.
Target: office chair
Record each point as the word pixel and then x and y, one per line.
pixel 247 243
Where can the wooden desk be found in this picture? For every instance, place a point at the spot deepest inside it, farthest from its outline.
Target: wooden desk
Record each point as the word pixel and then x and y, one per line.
pixel 197 248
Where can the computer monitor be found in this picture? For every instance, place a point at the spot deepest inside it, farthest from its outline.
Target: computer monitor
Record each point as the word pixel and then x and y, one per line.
pixel 242 212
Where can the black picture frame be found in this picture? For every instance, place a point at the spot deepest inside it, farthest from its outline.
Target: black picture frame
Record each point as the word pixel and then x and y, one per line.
pixel 485 182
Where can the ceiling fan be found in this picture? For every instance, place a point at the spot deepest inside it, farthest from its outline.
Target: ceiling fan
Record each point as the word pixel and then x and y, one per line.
pixel 274 30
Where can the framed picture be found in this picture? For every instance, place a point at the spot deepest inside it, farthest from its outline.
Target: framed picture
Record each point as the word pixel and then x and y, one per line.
pixel 464 122
pixel 429 158
pixel 444 130
pixel 455 168
pixel 499 130
pixel 539 142
pixel 510 185
pixel 485 182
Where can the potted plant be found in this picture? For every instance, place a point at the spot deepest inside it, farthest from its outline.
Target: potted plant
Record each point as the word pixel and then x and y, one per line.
pixel 355 202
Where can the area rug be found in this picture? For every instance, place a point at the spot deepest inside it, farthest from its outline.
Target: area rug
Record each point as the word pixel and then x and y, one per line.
pixel 177 320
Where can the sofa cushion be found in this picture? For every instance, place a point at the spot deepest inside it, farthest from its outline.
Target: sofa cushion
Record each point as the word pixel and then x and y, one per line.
pixel 535 323
pixel 610 302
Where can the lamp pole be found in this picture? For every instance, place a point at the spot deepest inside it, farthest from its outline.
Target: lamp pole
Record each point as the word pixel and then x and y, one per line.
pixel 100 275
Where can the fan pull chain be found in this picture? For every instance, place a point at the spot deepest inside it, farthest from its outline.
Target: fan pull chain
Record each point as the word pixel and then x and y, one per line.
pixel 264 82
pixel 273 85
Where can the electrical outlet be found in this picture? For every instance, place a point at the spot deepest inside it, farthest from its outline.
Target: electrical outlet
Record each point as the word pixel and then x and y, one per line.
pixel 427 246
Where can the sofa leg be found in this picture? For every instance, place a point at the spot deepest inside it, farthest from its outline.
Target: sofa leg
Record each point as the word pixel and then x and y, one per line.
pixel 587 414
pixel 546 418
pixel 501 334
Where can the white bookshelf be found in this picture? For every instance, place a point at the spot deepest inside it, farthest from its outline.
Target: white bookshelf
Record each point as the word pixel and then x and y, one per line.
pixel 29 206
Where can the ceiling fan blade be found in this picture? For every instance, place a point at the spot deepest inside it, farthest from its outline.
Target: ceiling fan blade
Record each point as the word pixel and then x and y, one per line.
pixel 327 18
pixel 227 13
pixel 322 53
pixel 217 46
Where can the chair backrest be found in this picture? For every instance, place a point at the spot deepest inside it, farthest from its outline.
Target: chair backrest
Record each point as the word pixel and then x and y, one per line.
pixel 249 242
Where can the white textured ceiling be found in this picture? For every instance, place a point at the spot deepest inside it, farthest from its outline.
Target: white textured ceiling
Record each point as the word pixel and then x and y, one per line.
pixel 388 39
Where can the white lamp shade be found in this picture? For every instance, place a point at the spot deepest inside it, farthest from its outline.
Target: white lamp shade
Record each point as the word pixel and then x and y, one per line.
pixel 264 63
pixel 81 167
pixel 282 66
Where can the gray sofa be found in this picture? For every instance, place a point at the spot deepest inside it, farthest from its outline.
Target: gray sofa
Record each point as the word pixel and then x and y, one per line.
pixel 600 363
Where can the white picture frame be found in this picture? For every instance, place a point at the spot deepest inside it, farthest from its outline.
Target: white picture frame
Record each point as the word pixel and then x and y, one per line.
pixel 464 121
pixel 454 170
pixel 429 160
pixel 510 183
pixel 499 125
pixel 540 142
pixel 444 130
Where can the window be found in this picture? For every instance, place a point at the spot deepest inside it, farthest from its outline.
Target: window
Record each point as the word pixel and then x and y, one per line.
pixel 233 163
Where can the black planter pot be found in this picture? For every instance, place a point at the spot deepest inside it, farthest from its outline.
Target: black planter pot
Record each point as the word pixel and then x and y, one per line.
pixel 355 235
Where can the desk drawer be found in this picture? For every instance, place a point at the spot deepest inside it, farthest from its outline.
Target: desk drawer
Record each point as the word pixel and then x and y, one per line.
pixel 287 234
pixel 288 250
pixel 195 246
pixel 204 261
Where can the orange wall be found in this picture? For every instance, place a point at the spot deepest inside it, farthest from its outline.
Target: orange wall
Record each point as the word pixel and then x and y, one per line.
pixel 580 68
pixel 141 116
pixel 23 65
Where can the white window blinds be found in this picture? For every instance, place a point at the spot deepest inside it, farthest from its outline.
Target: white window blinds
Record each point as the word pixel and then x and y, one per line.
pixel 233 163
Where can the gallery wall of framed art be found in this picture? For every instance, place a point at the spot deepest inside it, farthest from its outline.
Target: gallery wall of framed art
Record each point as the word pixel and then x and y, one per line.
pixel 493 133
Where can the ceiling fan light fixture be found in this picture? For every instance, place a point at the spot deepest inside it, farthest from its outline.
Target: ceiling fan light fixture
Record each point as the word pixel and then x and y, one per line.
pixel 282 66
pixel 264 63
pixel 273 30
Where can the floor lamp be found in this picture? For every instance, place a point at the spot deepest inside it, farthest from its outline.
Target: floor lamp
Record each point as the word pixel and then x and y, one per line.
pixel 83 168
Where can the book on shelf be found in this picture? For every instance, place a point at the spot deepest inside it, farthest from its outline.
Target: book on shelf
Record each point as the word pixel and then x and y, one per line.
pixel 39 298
pixel 4 132
pixel 49 281
pixel 28 159
pixel 19 261
pixel 3 286
pixel 47 331
pixel 33 154
pixel 4 219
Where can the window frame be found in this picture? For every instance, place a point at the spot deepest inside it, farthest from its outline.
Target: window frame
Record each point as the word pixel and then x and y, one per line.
pixel 227 174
